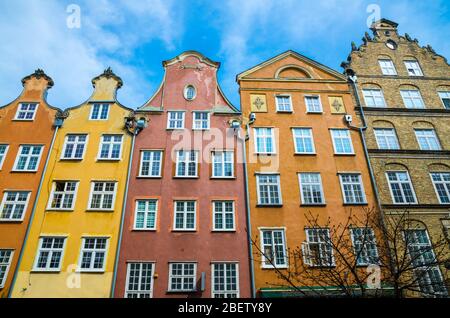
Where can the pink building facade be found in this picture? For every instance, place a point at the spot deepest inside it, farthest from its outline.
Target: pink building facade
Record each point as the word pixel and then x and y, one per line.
pixel 185 225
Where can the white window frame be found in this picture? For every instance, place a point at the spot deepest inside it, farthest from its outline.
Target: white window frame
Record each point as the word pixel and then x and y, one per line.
pixel 365 250
pixel 223 214
pixel 265 137
pixel 225 293
pixel 176 120
pixel 310 184
pixel 222 154
pixel 386 133
pixel 278 184
pixel 290 110
pixel 184 213
pixel 76 143
pixel 50 256
pixel 15 203
pixel 3 156
pixel 183 277
pixel 444 95
pixel 28 156
pixel 103 193
pixel 415 66
pixel 406 95
pixel 387 69
pixel 64 193
pixel 146 215
pixel 139 292
pixel 359 183
pixel 370 93
pixel 401 189
pixel 151 162
pixel 444 183
pixel 16 117
pixel 265 263
pixel 94 253
pixel 185 92
pixel 308 109
pixel 111 144
pixel 295 130
pixel 186 161
pixel 349 137
pixel 201 121
pixel 100 111
pixel 306 249
pixel 427 139
pixel 8 265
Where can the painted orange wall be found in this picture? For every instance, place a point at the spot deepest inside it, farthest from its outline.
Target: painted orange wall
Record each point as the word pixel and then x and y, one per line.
pixel 15 133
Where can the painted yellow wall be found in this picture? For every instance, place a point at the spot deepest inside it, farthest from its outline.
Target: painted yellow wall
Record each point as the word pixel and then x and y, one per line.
pixel 78 223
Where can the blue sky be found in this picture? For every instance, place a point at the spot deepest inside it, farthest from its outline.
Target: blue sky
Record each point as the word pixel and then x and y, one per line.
pixel 134 36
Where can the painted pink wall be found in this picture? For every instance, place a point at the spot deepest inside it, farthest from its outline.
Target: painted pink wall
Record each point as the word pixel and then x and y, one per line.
pixel 202 246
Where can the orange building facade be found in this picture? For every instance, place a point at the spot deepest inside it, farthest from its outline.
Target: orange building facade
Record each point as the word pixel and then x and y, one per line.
pixel 304 162
pixel 26 133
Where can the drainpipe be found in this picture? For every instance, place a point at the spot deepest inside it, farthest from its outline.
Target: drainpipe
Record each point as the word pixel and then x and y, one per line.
pixel 247 203
pixel 125 198
pixel 57 124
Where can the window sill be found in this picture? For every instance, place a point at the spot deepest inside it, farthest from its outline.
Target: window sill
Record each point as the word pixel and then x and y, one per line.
pixel 83 271
pixel 260 154
pixel 305 154
pixel 223 231
pixel 108 160
pixel 285 111
pixel 181 291
pixel 274 267
pixel 23 120
pixel 143 230
pixel 223 178
pixel 314 113
pixel 24 171
pixel 99 210
pixel 201 129
pixel 184 231
pixel 10 221
pixel 344 154
pixel 59 210
pixel 356 204
pixel 45 271
pixel 171 129
pixel 319 205
pixel 71 159
pixel 148 177
pixel 269 205
pixel 188 177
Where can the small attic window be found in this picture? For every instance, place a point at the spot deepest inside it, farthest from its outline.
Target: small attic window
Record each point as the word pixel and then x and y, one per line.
pixel 190 92
pixel 391 44
pixel 387 33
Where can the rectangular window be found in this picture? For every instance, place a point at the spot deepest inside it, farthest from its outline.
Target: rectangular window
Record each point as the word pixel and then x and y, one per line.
pixel 386 138
pixel 387 67
pixel 374 98
pixel 175 120
pixel 441 182
pixel 311 189
pixel 139 282
pixel 303 140
pixel 201 120
pixel 283 103
pixel 187 163
pixel 26 111
pixel 313 104
pixel 352 188
pixel 413 68
pixel 365 245
pixel 445 98
pixel 423 261
pixel 103 196
pixel 412 99
pixel 99 111
pixel 273 245
pixel 28 158
pixel 224 216
pixel 427 139
pixel 3 152
pixel 151 161
pixel 63 196
pixel 74 147
pixel 110 147
pixel 223 164
pixel 6 257
pixel 182 277
pixel 93 254
pixel 318 250
pixel 184 216
pixel 145 215
pixel 269 190
pixel 342 141
pixel 14 205
pixel 401 187
pixel 50 253
pixel 264 141
pixel 225 280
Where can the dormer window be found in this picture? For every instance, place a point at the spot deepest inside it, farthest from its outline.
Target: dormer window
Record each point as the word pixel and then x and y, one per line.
pixel 190 92
pixel 26 111
pixel 99 111
pixel 413 68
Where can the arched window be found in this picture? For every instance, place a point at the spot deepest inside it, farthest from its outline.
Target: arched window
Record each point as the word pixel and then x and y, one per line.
pixel 386 65
pixel 373 96
pixel 190 92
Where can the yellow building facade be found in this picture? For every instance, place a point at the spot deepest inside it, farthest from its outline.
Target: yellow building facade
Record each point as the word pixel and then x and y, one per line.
pixel 71 247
